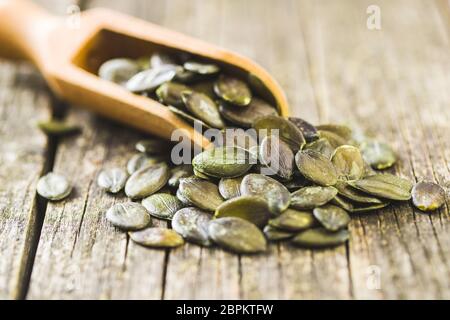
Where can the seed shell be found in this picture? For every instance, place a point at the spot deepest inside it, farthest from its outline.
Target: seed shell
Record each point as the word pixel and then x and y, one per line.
pixel 237 235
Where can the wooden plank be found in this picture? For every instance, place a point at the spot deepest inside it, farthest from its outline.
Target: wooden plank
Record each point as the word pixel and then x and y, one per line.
pixel 388 83
pixel 24 156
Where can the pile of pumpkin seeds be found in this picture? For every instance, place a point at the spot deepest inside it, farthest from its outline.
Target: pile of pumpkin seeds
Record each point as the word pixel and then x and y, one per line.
pixel 324 175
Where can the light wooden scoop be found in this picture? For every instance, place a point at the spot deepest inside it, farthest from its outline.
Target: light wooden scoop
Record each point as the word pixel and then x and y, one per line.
pixel 69 50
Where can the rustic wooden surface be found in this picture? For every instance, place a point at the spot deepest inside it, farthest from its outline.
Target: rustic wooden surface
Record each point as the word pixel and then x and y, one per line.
pixel 393 82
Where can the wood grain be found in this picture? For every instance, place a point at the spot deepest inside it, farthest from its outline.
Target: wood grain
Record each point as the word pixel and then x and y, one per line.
pixel 391 82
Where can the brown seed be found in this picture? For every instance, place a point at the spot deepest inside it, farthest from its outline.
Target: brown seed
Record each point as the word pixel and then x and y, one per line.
pixel 428 196
pixel 316 167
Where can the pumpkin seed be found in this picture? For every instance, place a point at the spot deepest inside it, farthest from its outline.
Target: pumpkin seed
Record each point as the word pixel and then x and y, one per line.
pixel 238 138
pixel 331 217
pixel 192 225
pixel 321 146
pixel 112 180
pixel 185 76
pixel 357 207
pixel 201 193
pixel 201 68
pixel 157 238
pixel 276 195
pixel 58 128
pixel 233 90
pixel 320 238
pixel 205 87
pixel 348 162
pixel 140 161
pixel 162 205
pixel 309 131
pixel 230 187
pixel 274 234
pixel 251 208
pixel 118 70
pixel 179 172
pixel 201 175
pixel 297 182
pixel 147 181
pixel 276 154
pixel 312 197
pixel 223 162
pixel 159 59
pixel 237 235
pixel 169 93
pixel 128 216
pixel 316 167
pixel 293 220
pixel 245 117
pixel 385 186
pixel 201 106
pixel 53 187
pixel 342 131
pixel 355 195
pixel 287 131
pixel 185 201
pixel 428 196
pixel 378 155
pixel 334 139
pixel 188 118
pixel 153 147
pixel 149 80
pixel 260 89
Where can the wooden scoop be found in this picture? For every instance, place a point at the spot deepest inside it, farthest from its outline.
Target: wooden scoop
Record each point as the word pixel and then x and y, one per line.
pixel 69 50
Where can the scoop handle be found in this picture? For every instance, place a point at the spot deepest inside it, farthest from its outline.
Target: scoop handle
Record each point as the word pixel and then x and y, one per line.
pixel 23 29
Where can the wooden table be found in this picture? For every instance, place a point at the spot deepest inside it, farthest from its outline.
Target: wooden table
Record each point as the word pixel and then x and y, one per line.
pixel 393 82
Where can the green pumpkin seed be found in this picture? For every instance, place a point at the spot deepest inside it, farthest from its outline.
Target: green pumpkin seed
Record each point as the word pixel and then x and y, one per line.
pixel 192 224
pixel 309 131
pixel 293 220
pixel 278 156
pixel 185 76
pixel 162 205
pixel 348 162
pixel 58 128
pixel 223 162
pixel 287 131
pixel 202 107
pixel 357 207
pixel 128 216
pixel 201 175
pixel 428 196
pixel 316 167
pixel 153 147
pixel 378 155
pixel 112 180
pixel 312 197
pixel 230 187
pixel 159 59
pixel 331 217
pixel 251 208
pixel 342 131
pixel 355 195
pixel 169 93
pixel 179 172
pixel 53 187
pixel 140 161
pixel 297 183
pixel 201 193
pixel 183 199
pixel 205 87
pixel 188 118
pixel 320 238
pixel 321 146
pixel 157 238
pixel 261 89
pixel 274 234
pixel 237 235
pixel 147 181
pixel 276 195
pixel 201 68
pixel 238 138
pixel 233 90
pixel 385 186
pixel 149 80
pixel 334 139
pixel 245 117
pixel 118 70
